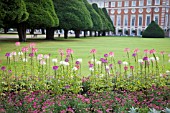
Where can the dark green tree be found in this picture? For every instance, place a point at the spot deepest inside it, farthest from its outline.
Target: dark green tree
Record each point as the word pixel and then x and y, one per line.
pixel 1 14
pixel 96 19
pixel 14 13
pixel 153 31
pixel 73 15
pixel 110 23
pixel 42 15
pixel 104 19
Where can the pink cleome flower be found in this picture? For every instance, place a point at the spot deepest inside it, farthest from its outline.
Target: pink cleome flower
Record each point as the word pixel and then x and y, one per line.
pixel 136 50
pixel 17 43
pixel 111 54
pixel 25 49
pixel 146 51
pixel 69 51
pixel 162 52
pixel 61 52
pixel 152 51
pixel 93 51
pixel 126 50
pixel 32 45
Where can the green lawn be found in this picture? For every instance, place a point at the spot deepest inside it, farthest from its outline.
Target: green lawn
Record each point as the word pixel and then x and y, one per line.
pixel 82 46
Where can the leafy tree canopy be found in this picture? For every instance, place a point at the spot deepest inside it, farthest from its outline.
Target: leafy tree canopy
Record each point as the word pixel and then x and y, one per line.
pixel 13 11
pixel 96 19
pixel 42 13
pixel 73 14
pixel 110 23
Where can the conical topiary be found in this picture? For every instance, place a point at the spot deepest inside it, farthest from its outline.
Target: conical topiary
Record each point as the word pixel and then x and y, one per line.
pixel 153 31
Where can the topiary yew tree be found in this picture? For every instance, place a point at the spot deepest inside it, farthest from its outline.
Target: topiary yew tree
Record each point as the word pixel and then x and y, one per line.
pixel 73 15
pixel 42 15
pixel 153 31
pixel 96 19
pixel 13 13
pixel 105 21
pixel 110 23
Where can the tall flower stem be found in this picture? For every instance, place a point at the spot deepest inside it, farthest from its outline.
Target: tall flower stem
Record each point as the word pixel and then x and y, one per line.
pixel 145 72
pixel 94 63
pixel 128 58
pixel 157 69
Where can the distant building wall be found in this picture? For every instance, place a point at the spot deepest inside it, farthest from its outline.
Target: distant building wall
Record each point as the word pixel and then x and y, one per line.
pixel 130 15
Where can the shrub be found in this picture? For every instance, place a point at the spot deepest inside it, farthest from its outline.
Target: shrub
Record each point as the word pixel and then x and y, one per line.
pixel 153 31
pixel 120 30
pixel 127 32
pixel 134 31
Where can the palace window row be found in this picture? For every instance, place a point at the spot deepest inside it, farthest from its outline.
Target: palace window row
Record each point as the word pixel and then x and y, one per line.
pixel 132 21
pixel 133 10
pixel 133 3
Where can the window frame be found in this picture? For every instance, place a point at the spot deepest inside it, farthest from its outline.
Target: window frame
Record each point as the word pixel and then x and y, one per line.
pixel 126 3
pixel 119 4
pixel 139 21
pixel 156 15
pixel 118 19
pixel 157 2
pixel 112 4
pixel 149 20
pixel 149 3
pixel 134 20
pixel 133 3
pixel 106 4
pixel 141 1
pixel 125 18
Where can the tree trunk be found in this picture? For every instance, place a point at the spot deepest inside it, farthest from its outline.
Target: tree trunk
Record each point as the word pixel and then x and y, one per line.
pixel 85 32
pixel 91 33
pixel 98 33
pixel 43 31
pixel 21 28
pixel 65 34
pixel 32 31
pixel 77 33
pixel 104 33
pixel 95 33
pixel 50 33
pixel 5 30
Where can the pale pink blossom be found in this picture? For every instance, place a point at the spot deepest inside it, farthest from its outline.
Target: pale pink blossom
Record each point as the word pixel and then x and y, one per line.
pixel 32 45
pixel 126 50
pixel 46 56
pixel 136 50
pixel 34 50
pixel 152 51
pixel 17 43
pixel 13 53
pixel 146 51
pixel 93 51
pixel 40 56
pixel 42 62
pixel 162 52
pixel 25 49
pixel 69 51
pixel 111 54
pixel 61 52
